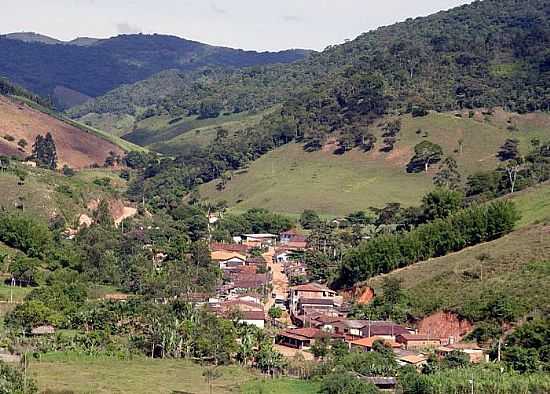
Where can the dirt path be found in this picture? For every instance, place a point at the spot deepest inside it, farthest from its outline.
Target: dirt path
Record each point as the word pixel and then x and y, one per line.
pixel 279 280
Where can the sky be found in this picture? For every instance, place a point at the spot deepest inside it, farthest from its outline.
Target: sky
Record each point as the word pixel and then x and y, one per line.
pixel 247 24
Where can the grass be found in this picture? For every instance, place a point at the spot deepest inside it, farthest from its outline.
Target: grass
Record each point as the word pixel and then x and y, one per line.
pixel 19 293
pixel 289 180
pixel 518 264
pixel 279 386
pixel 45 193
pixel 89 375
pixel 533 204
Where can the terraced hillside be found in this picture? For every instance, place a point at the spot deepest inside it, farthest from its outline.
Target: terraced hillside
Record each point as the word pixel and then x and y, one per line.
pixel 290 179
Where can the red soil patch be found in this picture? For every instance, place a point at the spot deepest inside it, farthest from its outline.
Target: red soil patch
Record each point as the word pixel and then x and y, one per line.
pixel 444 325
pixel 399 157
pixel 75 147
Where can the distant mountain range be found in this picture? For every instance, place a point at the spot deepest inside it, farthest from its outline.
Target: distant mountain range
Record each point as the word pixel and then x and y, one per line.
pixel 73 71
pixel 42 39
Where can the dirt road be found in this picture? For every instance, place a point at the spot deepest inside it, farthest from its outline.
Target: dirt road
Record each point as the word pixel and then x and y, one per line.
pixel 279 281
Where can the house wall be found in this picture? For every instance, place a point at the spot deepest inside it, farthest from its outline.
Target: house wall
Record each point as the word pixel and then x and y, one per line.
pixel 257 323
pixel 421 344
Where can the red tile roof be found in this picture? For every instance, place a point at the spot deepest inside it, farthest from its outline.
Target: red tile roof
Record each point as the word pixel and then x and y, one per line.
pixel 252 315
pixel 240 248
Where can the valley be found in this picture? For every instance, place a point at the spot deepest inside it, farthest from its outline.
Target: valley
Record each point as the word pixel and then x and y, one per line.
pixel 179 217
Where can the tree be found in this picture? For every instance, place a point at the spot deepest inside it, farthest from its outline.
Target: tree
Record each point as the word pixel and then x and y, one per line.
pixel 68 171
pixel 321 346
pixel 448 175
pixel 22 143
pixel 441 203
pixel 345 383
pixel 309 219
pixel 45 152
pixel 275 312
pixel 102 214
pixel 509 151
pixel 426 153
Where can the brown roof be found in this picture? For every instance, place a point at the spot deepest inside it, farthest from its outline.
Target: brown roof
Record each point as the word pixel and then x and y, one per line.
pixel 238 303
pixel 221 255
pixel 240 248
pixel 252 315
pixel 413 359
pixel 296 244
pixel 305 333
pixel 368 342
pixel 415 337
pixel 312 287
pixel 379 328
pixel 317 301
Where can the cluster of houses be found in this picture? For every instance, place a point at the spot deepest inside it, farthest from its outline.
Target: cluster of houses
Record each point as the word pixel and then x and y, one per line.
pixel 318 312
pixel 315 310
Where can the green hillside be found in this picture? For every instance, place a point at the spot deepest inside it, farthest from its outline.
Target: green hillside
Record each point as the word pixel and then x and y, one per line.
pixel 290 179
pixel 517 264
pixel 45 194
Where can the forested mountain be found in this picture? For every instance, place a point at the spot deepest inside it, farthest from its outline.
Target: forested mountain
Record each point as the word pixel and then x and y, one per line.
pixel 480 56
pixel 99 66
pixel 489 53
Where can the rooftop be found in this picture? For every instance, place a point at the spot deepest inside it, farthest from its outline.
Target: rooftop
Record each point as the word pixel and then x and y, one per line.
pixel 312 287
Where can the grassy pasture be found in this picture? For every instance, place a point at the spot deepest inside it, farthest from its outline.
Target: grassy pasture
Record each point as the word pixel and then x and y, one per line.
pixel 289 180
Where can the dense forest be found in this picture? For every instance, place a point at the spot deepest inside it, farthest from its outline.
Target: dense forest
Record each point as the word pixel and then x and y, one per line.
pixel 489 53
pixel 96 69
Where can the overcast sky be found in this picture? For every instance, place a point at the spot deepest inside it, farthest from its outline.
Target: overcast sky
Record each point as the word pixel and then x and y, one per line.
pixel 248 24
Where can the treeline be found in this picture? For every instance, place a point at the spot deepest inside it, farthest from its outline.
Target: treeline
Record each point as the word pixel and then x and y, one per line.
pixel 466 228
pixel 9 89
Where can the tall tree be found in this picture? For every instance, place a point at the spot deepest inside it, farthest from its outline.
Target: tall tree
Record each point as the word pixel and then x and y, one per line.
pixel 426 153
pixel 44 151
pixel 448 175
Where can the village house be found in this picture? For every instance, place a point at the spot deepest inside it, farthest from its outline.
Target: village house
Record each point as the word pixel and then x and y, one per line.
pixel 234 247
pixel 302 338
pixel 310 292
pixel 384 329
pixel 43 330
pixel 414 341
pixel 248 310
pixel 260 240
pixel 475 353
pixel 226 259
pixel 417 360
pixel 366 344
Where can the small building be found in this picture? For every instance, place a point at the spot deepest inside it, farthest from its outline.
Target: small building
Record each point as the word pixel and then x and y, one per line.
pixel 414 341
pixel 382 383
pixel 253 318
pixel 366 344
pixel 309 291
pixel 260 240
pixel 303 338
pixel 226 259
pixel 43 330
pixel 384 329
pixel 475 353
pixel 325 306
pixel 233 247
pixel 416 360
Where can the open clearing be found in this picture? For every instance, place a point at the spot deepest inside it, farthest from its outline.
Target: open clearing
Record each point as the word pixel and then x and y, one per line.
pixel 79 375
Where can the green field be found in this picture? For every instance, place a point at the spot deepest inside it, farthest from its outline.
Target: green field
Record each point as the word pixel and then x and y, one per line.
pixel 81 374
pixel 278 386
pixel 289 180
